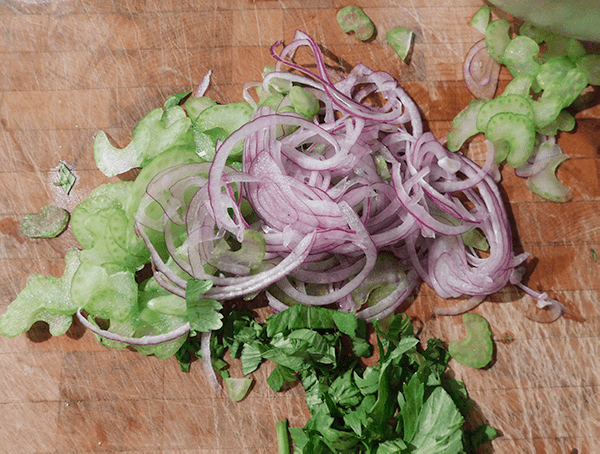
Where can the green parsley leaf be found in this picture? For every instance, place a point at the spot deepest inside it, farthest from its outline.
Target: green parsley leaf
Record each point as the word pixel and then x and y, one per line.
pixel 66 178
pixel 204 315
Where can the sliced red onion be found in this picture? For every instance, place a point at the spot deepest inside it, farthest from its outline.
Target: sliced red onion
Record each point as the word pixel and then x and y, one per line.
pixel 209 370
pixel 481 71
pixel 144 340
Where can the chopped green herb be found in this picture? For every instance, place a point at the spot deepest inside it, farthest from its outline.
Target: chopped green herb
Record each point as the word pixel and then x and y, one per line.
pixel 594 255
pixel 66 178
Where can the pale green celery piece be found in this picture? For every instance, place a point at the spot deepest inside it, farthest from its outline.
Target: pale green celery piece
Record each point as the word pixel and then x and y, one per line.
pixel 108 235
pixel 520 85
pixel 575 50
pixel 401 40
pixel 476 239
pixel 102 294
pixel 547 185
pixel 168 304
pixel 477 349
pixel 481 19
pixel 504 103
pixel 158 131
pixel 558 94
pixel 195 105
pixel 590 65
pixel 154 323
pixel 50 222
pixel 552 70
pixel 305 102
pixel 564 122
pixel 513 136
pixel 519 55
pixel 382 167
pixel 169 158
pixel 464 125
pixel 383 279
pixel 353 19
pixel 556 44
pixel 249 256
pixel 278 84
pixel 43 299
pixel 497 38
pixel 273 101
pixel 237 388
pixel 223 120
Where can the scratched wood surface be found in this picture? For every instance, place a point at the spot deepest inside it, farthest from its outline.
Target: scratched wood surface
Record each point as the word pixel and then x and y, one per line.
pixel 69 68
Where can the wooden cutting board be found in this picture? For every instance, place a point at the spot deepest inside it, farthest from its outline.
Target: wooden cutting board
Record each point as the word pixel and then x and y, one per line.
pixel 70 68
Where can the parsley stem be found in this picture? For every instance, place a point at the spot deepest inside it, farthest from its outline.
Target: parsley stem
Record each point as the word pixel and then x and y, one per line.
pixel 283 440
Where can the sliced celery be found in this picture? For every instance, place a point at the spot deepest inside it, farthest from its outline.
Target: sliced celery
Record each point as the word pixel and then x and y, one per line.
pixel 481 19
pixel 464 125
pixel 43 299
pixel 513 136
pixel 50 222
pixel 590 65
pixel 400 39
pixel 546 184
pixel 505 103
pixel 497 38
pixel 519 55
pixel 353 19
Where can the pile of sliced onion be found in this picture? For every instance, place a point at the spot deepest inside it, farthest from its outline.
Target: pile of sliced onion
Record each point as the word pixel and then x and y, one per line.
pixel 328 197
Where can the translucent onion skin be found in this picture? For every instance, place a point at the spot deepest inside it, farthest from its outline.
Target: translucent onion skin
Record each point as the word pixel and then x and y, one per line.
pixel 328 196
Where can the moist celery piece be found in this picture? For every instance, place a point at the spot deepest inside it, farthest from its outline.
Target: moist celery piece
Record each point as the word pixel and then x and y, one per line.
pixel 464 125
pixel 546 184
pixel 477 349
pixel 43 299
pixel 353 19
pixel 383 279
pixel 481 19
pixel 305 102
pixel 505 103
pixel 552 70
pixel 519 55
pixel 283 438
pixel 49 223
pixel 195 105
pixel 237 388
pixel 564 122
pixel 248 257
pixel 575 49
pixel 590 66
pixel 104 293
pixel 156 132
pixel 558 94
pixel 513 136
pixel 400 39
pixel 497 38
pixel 519 85
pixel 66 179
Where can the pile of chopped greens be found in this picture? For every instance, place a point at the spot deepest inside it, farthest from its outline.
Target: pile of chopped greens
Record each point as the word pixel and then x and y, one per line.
pixel 405 403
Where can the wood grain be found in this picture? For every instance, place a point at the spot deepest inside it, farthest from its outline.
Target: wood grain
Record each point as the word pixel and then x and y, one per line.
pixel 69 68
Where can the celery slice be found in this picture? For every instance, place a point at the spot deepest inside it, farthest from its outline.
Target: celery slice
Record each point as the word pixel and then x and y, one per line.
pixel 547 185
pixel 400 39
pixel 504 103
pixel 497 38
pixel 477 349
pixel 481 19
pixel 43 299
pixel 513 136
pixel 353 19
pixel 464 125
pixel 519 55
pixel 49 223
pixel 590 66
